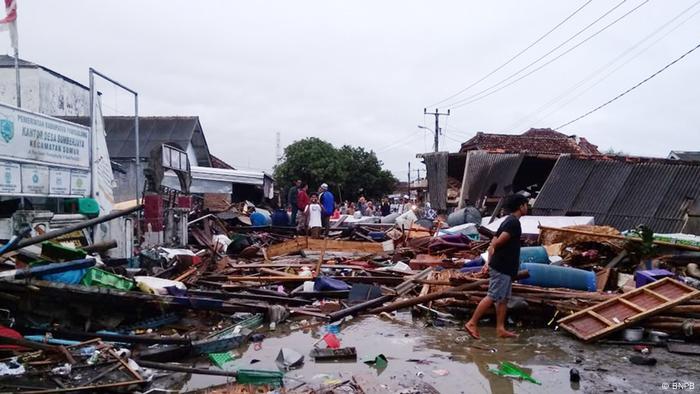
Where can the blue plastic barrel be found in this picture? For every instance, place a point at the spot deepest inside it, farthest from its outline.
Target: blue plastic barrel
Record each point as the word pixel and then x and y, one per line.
pixel 555 276
pixel 534 254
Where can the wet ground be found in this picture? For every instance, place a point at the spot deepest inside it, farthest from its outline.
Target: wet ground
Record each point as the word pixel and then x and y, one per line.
pixel 447 359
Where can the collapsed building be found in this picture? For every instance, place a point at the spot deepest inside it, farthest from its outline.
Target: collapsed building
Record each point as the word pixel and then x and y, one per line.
pixel 490 166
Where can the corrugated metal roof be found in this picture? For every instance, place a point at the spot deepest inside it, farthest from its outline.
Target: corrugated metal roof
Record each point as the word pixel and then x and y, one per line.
pixel 622 192
pixel 686 155
pixel 153 131
pixel 489 173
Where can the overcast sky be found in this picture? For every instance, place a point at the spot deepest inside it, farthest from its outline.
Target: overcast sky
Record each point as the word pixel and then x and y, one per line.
pixel 361 72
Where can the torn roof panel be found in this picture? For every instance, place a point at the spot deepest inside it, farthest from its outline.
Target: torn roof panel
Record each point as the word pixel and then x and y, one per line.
pixel 655 192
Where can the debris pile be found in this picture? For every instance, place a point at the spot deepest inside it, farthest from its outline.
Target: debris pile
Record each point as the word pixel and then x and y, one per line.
pixel 76 319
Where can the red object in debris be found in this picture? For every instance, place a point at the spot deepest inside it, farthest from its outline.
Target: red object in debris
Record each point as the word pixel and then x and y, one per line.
pixel 10 333
pixel 331 341
pixel 641 348
pixel 153 211
pixel 184 202
pixel 188 260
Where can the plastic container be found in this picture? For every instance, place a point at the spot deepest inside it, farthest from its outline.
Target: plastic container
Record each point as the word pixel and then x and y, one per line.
pixel 97 277
pixel 642 278
pixel 534 254
pixel 544 275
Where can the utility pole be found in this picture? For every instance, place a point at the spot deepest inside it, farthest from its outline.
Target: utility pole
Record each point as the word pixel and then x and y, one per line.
pixel 409 179
pixel 278 149
pixel 437 123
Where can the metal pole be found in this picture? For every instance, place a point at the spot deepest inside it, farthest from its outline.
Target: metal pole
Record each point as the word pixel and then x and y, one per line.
pixel 138 165
pixel 19 94
pixel 437 129
pixel 136 131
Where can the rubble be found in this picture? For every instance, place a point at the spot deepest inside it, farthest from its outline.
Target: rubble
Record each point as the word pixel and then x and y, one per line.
pixel 123 322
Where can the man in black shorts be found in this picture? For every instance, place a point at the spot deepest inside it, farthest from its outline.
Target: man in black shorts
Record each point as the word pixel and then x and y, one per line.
pixel 502 266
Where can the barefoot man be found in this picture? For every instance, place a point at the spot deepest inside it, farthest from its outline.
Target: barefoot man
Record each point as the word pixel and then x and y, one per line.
pixel 502 266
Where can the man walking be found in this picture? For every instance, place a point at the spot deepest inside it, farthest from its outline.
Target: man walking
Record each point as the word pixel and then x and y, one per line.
pixel 327 200
pixel 292 200
pixel 502 266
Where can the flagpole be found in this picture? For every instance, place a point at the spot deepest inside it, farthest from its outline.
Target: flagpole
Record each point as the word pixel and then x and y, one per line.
pixel 19 96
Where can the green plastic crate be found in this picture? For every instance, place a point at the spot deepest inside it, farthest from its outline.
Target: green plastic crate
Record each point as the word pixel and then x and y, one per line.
pixel 97 277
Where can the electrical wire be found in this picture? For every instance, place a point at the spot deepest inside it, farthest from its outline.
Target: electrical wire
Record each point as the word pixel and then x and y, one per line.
pixel 517 55
pixel 398 144
pixel 630 89
pixel 496 88
pixel 583 81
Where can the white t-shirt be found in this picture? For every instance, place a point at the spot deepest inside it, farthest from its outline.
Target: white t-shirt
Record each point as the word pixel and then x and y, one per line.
pixel 314 212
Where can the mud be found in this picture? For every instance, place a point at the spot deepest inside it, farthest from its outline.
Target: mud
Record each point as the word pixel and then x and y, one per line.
pixel 418 354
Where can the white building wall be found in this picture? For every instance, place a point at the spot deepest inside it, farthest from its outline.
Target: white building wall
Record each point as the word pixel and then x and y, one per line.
pixel 44 92
pixel 62 98
pixel 29 78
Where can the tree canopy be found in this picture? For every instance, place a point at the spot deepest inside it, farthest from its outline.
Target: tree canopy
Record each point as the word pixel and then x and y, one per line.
pixel 349 171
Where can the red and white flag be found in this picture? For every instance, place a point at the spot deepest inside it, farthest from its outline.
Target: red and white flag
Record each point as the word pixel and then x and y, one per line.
pixel 9 22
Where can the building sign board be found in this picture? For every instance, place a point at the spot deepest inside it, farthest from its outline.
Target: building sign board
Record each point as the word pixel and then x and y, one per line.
pixel 30 136
pixel 59 181
pixel 42 155
pixel 79 183
pixel 10 177
pixel 35 179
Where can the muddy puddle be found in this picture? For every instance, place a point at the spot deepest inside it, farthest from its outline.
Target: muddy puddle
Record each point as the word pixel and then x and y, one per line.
pixel 451 362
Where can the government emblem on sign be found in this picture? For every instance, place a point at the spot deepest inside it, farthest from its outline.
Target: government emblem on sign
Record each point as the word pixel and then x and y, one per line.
pixel 7 130
pixel 79 182
pixel 35 178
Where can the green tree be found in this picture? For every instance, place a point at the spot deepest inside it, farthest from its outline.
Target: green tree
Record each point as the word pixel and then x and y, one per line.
pixel 349 171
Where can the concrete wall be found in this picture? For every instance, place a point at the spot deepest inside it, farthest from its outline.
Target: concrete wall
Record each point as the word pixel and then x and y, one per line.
pixel 29 77
pixel 44 92
pixel 126 183
pixel 62 98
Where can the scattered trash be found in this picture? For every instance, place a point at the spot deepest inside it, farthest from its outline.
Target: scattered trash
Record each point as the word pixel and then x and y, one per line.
pixel 574 375
pixel 380 361
pixel 641 360
pixel 289 359
pixel 441 372
pixel 511 370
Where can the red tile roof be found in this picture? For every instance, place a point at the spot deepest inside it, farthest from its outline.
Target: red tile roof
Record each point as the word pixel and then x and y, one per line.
pixel 218 163
pixel 546 141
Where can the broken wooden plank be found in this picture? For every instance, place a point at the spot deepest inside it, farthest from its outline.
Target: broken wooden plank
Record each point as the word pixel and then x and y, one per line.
pixel 622 311
pixel 305 243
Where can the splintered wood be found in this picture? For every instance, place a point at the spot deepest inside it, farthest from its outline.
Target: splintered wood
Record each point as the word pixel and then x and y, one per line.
pixel 620 312
pixel 305 243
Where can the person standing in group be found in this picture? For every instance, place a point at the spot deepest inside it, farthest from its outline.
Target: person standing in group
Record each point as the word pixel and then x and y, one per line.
pixel 313 214
pixel 361 206
pixel 369 210
pixel 502 265
pixel 328 203
pixel 302 202
pixel 292 200
pixel 386 207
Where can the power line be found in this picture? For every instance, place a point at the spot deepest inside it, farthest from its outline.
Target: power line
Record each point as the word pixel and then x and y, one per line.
pixel 474 98
pixel 517 55
pixel 630 89
pixel 582 82
pixel 546 54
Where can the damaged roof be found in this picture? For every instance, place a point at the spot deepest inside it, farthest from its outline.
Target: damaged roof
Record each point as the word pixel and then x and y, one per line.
pixel 180 131
pixel 624 192
pixel 684 155
pixel 541 141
